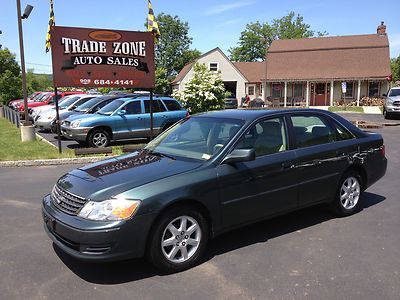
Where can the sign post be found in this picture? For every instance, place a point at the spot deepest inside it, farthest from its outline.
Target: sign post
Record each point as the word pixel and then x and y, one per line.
pixel 344 90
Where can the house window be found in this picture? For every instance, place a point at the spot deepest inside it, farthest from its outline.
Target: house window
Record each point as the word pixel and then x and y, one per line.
pixel 276 90
pixel 214 67
pixel 373 89
pixel 349 90
pixel 250 90
pixel 298 90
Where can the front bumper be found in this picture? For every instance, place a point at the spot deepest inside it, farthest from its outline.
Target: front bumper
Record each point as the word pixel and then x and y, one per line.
pixel 77 134
pixel 44 124
pixel 94 240
pixel 392 109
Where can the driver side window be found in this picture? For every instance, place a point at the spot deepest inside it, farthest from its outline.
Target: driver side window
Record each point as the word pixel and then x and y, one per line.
pixel 133 108
pixel 266 137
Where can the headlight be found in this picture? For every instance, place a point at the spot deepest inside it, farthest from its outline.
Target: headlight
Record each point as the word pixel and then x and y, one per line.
pixel 109 210
pixel 76 124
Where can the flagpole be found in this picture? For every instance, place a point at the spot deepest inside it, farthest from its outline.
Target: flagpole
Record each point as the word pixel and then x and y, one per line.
pixel 151 104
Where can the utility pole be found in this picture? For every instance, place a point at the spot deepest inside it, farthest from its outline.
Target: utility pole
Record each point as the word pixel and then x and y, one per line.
pixel 27 130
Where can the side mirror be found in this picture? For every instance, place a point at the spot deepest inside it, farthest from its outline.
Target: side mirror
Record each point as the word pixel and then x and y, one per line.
pixel 240 155
pixel 122 112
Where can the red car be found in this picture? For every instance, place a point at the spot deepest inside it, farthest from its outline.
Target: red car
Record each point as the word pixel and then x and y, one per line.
pixel 32 97
pixel 46 99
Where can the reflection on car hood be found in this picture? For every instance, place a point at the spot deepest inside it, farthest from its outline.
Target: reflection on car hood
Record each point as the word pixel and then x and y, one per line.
pixel 83 116
pixel 105 179
pixel 395 98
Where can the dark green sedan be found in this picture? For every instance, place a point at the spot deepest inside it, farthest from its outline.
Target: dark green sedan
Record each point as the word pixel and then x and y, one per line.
pixel 208 174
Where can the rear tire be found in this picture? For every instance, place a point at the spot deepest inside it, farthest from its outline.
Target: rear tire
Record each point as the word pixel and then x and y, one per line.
pixel 348 196
pixel 99 138
pixel 178 239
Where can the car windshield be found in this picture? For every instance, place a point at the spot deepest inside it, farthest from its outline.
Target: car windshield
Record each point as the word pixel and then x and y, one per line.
pixel 42 97
pixel 68 102
pixel 394 92
pixel 88 104
pixel 110 108
pixel 196 137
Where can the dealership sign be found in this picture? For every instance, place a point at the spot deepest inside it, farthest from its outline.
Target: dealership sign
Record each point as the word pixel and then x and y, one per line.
pixel 84 57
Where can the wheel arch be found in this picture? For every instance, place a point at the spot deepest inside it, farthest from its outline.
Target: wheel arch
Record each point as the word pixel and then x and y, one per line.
pixel 183 202
pixel 100 127
pixel 362 172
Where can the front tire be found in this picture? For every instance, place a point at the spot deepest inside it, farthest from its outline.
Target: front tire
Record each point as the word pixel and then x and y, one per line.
pixel 386 115
pixel 348 196
pixel 99 138
pixel 178 239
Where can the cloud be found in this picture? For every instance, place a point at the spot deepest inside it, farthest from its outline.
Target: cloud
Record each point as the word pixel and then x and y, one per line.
pixel 218 9
pixel 231 22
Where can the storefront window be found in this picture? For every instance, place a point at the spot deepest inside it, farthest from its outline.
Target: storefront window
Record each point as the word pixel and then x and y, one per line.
pixel 373 89
pixel 349 90
pixel 276 90
pixel 298 90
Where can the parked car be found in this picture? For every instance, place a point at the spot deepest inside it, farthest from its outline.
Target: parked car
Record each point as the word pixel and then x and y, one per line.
pixel 206 175
pixel 124 118
pixel 35 111
pixel 88 107
pixel 44 120
pixel 391 106
pixel 231 102
pixel 45 100
pixel 31 97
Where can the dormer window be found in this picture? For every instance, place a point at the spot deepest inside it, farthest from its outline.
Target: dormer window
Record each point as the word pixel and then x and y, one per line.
pixel 214 67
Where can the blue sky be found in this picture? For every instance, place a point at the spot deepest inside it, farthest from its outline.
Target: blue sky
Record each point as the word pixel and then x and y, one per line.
pixel 212 23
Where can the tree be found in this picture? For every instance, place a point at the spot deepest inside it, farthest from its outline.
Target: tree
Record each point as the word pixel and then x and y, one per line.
pixel 395 66
pixel 172 51
pixel 257 37
pixel 172 44
pixel 37 82
pixel 203 92
pixel 10 79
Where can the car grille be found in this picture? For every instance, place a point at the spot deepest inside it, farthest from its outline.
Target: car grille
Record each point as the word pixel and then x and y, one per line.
pixel 67 202
pixel 396 103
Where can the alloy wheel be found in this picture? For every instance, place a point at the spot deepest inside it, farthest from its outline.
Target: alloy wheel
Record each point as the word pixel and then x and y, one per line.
pixel 100 139
pixel 181 239
pixel 350 193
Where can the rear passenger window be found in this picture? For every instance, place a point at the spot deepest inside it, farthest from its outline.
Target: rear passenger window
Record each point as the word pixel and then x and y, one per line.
pixel 157 106
pixel 341 132
pixel 311 130
pixel 266 137
pixel 172 105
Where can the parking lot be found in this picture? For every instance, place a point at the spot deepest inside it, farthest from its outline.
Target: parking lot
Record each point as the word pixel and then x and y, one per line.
pixel 305 255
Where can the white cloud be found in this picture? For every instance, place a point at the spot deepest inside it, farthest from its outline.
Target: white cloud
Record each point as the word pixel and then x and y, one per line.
pixel 231 22
pixel 218 9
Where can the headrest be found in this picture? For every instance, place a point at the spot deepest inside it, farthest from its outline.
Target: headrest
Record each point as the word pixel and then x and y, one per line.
pixel 271 128
pixel 320 131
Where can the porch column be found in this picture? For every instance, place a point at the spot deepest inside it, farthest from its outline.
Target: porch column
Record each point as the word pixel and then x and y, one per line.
pixel 285 95
pixel 264 91
pixel 308 94
pixel 331 94
pixel 358 92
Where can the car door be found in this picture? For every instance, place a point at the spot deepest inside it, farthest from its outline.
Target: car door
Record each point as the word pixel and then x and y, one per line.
pixel 160 114
pixel 130 120
pixel 265 186
pixel 321 158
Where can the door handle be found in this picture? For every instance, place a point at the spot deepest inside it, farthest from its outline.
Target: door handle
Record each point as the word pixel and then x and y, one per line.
pixel 139 118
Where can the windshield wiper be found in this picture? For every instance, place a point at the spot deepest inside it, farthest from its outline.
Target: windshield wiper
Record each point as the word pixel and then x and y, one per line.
pixel 161 154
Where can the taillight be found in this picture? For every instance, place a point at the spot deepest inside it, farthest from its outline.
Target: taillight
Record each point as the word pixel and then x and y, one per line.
pixel 187 114
pixel 383 151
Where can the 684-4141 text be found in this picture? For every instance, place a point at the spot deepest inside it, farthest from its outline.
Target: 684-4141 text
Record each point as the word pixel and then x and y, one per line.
pixel 113 82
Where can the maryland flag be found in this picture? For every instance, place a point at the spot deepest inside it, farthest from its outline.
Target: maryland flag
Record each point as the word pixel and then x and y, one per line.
pixel 51 23
pixel 152 25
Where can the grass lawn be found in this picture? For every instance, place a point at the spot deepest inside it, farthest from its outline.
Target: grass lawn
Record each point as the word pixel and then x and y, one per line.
pixel 357 109
pixel 11 147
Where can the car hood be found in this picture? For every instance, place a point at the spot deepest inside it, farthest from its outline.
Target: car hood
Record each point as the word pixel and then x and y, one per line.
pixel 108 178
pixel 394 98
pixel 84 117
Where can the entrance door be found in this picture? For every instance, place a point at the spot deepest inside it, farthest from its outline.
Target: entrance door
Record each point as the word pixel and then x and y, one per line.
pixel 319 94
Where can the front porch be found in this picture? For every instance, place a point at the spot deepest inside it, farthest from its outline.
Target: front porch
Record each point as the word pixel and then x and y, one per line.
pixel 321 92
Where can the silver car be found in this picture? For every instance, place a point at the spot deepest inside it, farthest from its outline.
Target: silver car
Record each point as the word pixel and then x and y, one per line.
pixel 391 106
pixel 44 120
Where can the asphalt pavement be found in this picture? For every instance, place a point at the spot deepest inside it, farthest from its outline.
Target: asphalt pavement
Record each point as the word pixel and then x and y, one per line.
pixel 304 255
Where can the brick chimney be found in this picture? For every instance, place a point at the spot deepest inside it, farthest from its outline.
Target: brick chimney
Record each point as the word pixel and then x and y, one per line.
pixel 381 30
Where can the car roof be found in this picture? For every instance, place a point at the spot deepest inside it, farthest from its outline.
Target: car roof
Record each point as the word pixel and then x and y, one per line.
pixel 251 114
pixel 395 88
pixel 142 97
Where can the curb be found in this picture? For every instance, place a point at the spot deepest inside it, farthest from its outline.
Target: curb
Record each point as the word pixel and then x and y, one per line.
pixel 51 162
